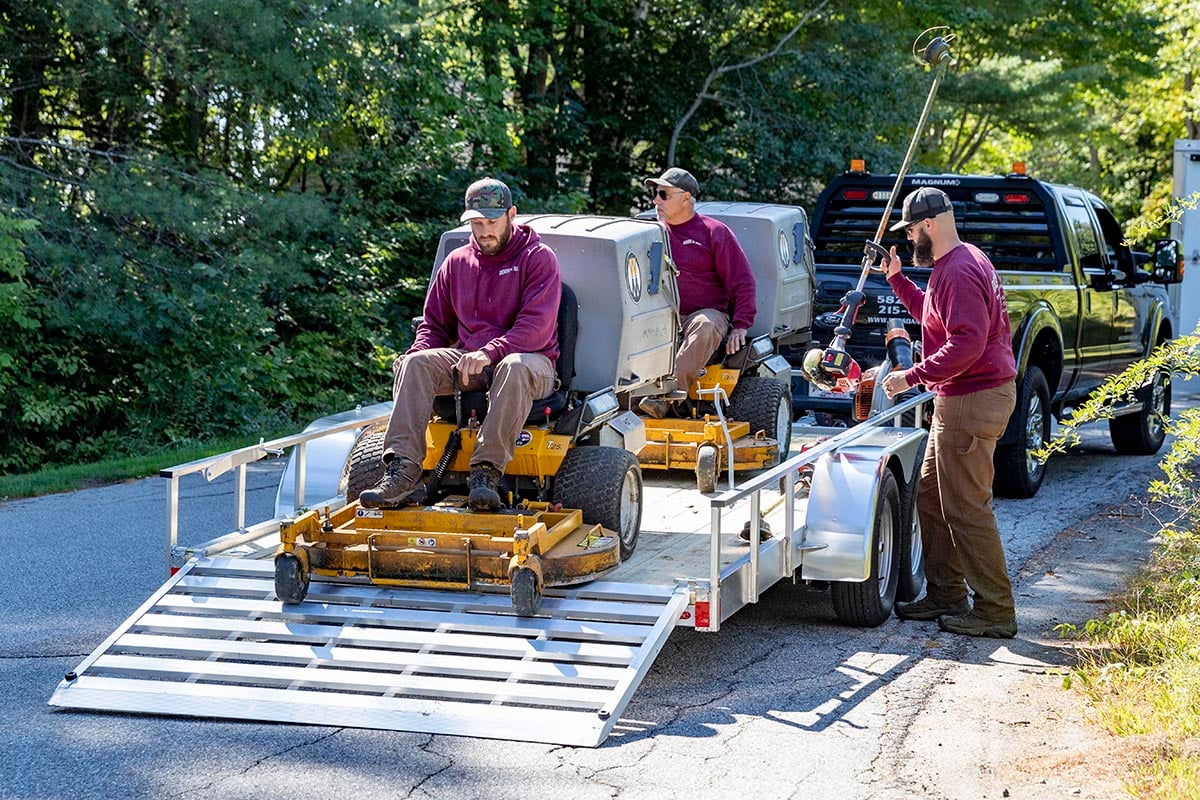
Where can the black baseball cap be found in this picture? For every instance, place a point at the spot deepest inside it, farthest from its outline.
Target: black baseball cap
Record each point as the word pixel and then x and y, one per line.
pixel 487 197
pixel 678 178
pixel 924 203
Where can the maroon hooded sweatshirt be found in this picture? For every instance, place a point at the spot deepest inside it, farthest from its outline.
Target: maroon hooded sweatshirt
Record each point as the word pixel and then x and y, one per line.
pixel 500 304
pixel 964 324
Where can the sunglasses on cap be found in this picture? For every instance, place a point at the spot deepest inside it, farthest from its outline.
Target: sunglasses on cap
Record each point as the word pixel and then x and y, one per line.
pixel 663 194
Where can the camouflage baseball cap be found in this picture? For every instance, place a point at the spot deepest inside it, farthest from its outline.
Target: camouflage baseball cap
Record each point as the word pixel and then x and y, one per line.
pixel 924 203
pixel 486 197
pixel 678 178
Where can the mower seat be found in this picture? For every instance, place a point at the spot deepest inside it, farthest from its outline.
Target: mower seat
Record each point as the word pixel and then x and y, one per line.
pixel 568 332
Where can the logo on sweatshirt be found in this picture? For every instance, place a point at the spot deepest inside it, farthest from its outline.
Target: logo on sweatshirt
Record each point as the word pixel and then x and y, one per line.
pixel 686 242
pixel 507 270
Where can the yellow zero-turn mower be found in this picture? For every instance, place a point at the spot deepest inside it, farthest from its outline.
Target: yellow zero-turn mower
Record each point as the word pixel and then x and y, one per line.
pixel 572 506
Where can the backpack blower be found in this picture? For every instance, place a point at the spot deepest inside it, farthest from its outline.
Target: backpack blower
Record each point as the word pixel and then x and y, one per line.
pixel 832 368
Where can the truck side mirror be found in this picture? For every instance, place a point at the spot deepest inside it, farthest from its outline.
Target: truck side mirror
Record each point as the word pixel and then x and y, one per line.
pixel 1168 261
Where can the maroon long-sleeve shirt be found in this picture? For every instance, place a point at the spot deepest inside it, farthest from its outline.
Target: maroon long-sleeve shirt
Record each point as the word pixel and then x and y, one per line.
pixel 964 324
pixel 713 270
pixel 499 304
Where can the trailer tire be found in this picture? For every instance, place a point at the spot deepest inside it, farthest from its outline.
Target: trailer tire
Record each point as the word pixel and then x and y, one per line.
pixel 605 483
pixel 766 403
pixel 291 580
pixel 1017 473
pixel 1143 433
pixel 526 598
pixel 364 466
pixel 867 604
pixel 910 549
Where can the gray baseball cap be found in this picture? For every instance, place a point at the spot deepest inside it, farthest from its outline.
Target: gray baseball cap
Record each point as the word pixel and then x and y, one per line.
pixel 486 197
pixel 924 203
pixel 677 178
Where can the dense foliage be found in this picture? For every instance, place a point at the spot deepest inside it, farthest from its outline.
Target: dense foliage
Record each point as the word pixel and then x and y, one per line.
pixel 216 214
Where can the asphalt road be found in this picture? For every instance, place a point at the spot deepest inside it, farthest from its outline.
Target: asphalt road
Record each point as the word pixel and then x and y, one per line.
pixel 782 702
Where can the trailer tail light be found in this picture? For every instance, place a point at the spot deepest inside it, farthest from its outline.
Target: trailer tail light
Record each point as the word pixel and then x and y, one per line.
pixel 1016 198
pixel 173 570
pixel 702 617
pixel 854 194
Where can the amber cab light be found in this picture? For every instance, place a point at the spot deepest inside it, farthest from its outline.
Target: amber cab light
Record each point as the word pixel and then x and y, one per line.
pixel 1018 168
pixel 858 165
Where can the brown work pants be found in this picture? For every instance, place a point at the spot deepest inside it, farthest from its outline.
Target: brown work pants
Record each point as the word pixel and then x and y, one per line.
pixel 516 382
pixel 958 526
pixel 702 332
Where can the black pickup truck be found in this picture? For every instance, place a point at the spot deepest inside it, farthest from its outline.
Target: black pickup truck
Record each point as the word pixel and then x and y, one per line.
pixel 1082 304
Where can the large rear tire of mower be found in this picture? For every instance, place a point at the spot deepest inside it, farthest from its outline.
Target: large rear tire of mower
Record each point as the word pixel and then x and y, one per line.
pixel 364 465
pixel 526 598
pixel 291 581
pixel 866 604
pixel 910 549
pixel 766 404
pixel 605 483
pixel 1018 473
pixel 1143 433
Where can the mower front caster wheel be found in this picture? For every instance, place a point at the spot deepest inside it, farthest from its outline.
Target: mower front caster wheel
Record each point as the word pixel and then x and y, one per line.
pixel 526 598
pixel 291 579
pixel 708 464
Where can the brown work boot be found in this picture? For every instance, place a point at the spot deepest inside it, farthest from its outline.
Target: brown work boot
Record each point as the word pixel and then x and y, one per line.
pixel 925 609
pixel 662 407
pixel 971 624
pixel 401 478
pixel 485 488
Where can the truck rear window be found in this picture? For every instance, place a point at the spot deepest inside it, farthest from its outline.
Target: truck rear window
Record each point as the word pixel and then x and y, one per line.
pixel 1008 223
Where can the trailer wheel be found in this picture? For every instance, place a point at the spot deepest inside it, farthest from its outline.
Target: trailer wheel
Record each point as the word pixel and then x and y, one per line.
pixel 910 550
pixel 291 580
pixel 1018 473
pixel 1143 433
pixel 766 403
pixel 526 598
pixel 868 603
pixel 364 466
pixel 605 483
pixel 708 465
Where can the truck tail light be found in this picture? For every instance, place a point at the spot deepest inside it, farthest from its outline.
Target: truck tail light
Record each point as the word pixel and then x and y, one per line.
pixel 1016 198
pixel 854 194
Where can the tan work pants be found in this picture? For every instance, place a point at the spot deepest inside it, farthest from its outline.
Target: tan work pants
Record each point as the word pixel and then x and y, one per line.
pixel 958 526
pixel 516 382
pixel 702 333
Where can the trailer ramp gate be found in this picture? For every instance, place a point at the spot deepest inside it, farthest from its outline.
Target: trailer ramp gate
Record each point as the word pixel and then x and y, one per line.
pixel 214 642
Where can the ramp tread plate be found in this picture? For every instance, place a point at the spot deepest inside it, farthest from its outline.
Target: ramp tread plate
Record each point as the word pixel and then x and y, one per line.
pixel 213 642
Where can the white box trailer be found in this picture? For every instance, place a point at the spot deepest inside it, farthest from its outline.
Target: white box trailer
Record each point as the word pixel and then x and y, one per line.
pixel 1185 297
pixel 214 641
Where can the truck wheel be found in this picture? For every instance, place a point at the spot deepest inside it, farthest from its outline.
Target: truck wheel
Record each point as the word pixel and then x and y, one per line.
pixel 291 581
pixel 766 404
pixel 866 604
pixel 526 598
pixel 605 483
pixel 1018 473
pixel 364 465
pixel 910 550
pixel 1143 433
pixel 708 465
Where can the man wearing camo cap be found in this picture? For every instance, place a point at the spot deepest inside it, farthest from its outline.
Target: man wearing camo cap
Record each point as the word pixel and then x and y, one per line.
pixel 491 315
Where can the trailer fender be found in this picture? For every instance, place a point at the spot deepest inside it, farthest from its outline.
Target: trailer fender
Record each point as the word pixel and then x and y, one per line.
pixel 841 502
pixel 325 459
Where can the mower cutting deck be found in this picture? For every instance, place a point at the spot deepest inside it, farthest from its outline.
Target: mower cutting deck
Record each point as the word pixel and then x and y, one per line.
pixel 446 546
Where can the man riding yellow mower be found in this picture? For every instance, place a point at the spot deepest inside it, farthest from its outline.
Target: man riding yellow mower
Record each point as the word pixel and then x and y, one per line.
pixel 572 492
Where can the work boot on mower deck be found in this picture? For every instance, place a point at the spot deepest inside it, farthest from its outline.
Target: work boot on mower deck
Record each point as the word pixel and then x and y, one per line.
pixel 484 484
pixel 401 478
pixel 661 407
